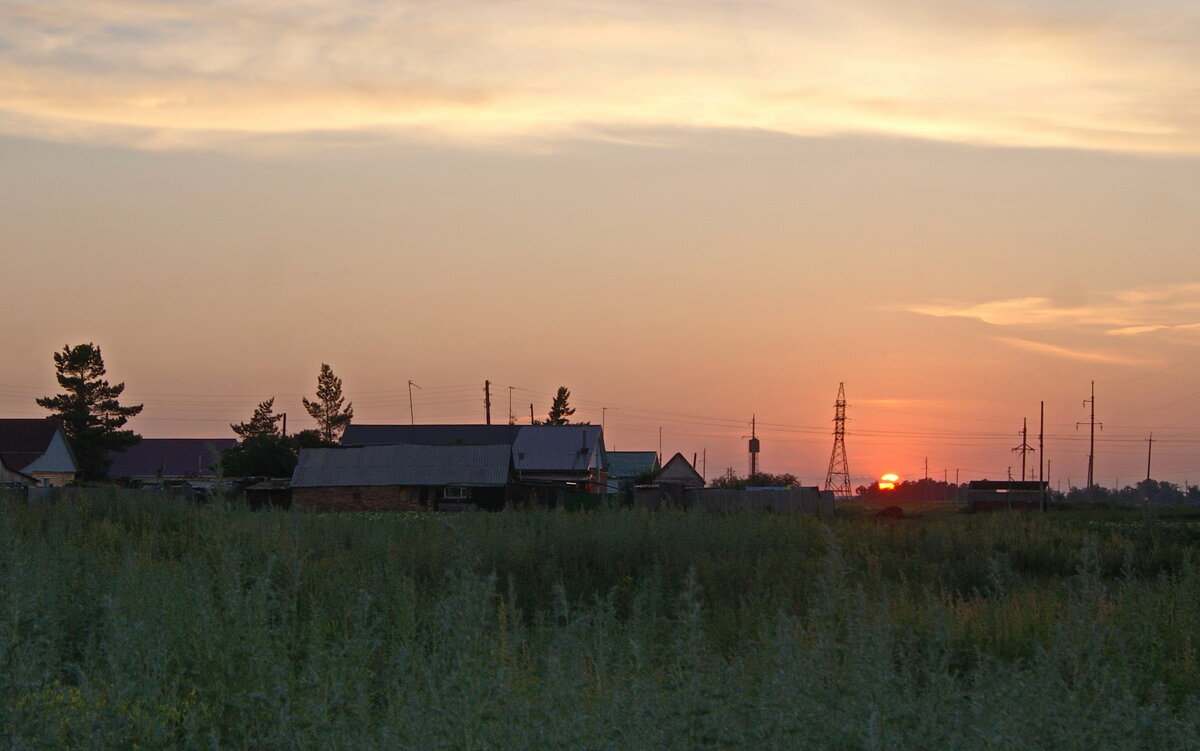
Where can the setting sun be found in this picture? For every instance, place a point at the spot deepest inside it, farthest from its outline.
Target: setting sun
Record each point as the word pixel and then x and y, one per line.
pixel 888 481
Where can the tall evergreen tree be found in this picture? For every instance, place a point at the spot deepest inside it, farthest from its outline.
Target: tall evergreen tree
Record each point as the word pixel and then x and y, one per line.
pixel 263 450
pixel 90 408
pixel 560 410
pixel 332 418
pixel 262 423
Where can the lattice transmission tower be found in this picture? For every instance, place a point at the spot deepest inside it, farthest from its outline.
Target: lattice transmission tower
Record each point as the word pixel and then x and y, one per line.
pixel 837 478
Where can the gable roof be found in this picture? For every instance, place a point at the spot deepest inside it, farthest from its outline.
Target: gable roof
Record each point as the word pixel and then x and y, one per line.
pixel 168 457
pixel 679 471
pixel 545 448
pixel 402 464
pixel 24 440
pixel 626 464
pixel 559 448
pixel 429 435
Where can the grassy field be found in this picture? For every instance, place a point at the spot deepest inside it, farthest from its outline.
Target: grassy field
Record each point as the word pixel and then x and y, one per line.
pixel 131 623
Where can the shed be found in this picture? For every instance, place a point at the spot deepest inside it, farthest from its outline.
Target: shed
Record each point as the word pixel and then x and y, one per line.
pixel 11 478
pixel 1007 495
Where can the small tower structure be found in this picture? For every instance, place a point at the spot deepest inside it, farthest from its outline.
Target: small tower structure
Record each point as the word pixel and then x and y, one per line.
pixel 837 478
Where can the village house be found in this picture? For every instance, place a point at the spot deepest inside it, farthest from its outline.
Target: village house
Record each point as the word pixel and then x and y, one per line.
pixel 678 471
pixel 625 467
pixel 167 461
pixel 37 449
pixel 545 458
pixel 670 485
pixel 401 477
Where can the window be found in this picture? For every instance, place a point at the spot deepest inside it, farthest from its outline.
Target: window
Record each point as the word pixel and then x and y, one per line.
pixel 454 494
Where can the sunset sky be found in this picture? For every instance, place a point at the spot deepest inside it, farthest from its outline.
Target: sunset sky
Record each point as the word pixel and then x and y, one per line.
pixel 688 213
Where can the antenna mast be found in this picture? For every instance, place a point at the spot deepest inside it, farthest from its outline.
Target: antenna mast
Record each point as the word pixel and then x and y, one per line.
pixel 837 478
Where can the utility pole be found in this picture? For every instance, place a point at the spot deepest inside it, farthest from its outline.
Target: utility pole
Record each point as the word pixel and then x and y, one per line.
pixel 704 460
pixel 1149 448
pixel 754 446
pixel 512 420
pixel 837 478
pixel 531 420
pixel 1024 448
pixel 411 419
pixel 487 400
pixel 283 431
pixel 1092 440
pixel 1042 454
pixel 660 445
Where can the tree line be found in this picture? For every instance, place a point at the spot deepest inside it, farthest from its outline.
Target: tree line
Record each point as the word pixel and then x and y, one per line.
pixel 94 419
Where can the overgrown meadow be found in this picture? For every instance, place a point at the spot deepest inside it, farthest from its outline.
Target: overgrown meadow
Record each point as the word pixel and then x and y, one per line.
pixel 143 623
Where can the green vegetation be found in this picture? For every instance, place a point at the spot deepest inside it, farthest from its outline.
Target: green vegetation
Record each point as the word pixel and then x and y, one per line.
pixel 90 409
pixel 127 621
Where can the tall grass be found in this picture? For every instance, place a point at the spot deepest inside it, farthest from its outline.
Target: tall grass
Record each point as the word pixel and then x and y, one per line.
pixel 135 623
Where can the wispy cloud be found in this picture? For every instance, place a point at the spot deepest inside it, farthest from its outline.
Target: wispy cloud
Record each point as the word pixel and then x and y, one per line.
pixel 1123 314
pixel 1119 313
pixel 1071 353
pixel 1135 330
pixel 1102 75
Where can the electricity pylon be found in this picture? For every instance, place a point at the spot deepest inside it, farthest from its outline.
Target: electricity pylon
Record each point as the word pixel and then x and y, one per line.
pixel 837 478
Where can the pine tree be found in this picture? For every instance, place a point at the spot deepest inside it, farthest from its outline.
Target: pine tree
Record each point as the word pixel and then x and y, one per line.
pixel 262 422
pixel 90 410
pixel 559 409
pixel 263 451
pixel 327 409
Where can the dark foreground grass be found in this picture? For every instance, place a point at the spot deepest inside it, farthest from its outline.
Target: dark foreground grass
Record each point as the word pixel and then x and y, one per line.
pixel 130 623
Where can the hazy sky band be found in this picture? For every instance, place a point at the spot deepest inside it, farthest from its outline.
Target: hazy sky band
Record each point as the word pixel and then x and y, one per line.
pixel 1118 76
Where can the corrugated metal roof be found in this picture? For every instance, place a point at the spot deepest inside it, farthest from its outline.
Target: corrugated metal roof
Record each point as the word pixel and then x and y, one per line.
pixel 402 464
pixel 553 448
pixel 429 435
pixel 558 448
pixel 624 464
pixel 169 457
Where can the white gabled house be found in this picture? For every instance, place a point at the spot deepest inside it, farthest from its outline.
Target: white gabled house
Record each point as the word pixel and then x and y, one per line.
pixel 37 449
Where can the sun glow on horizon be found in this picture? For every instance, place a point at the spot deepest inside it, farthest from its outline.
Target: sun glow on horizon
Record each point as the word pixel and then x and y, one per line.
pixel 888 481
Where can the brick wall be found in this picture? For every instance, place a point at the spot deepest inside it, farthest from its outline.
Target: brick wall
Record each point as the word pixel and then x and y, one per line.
pixel 389 498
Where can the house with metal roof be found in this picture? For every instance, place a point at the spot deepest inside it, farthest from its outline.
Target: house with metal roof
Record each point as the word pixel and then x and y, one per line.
pixel 625 467
pixel 401 477
pixel 430 435
pixel 679 471
pixel 162 461
pixel 570 457
pixel 37 448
